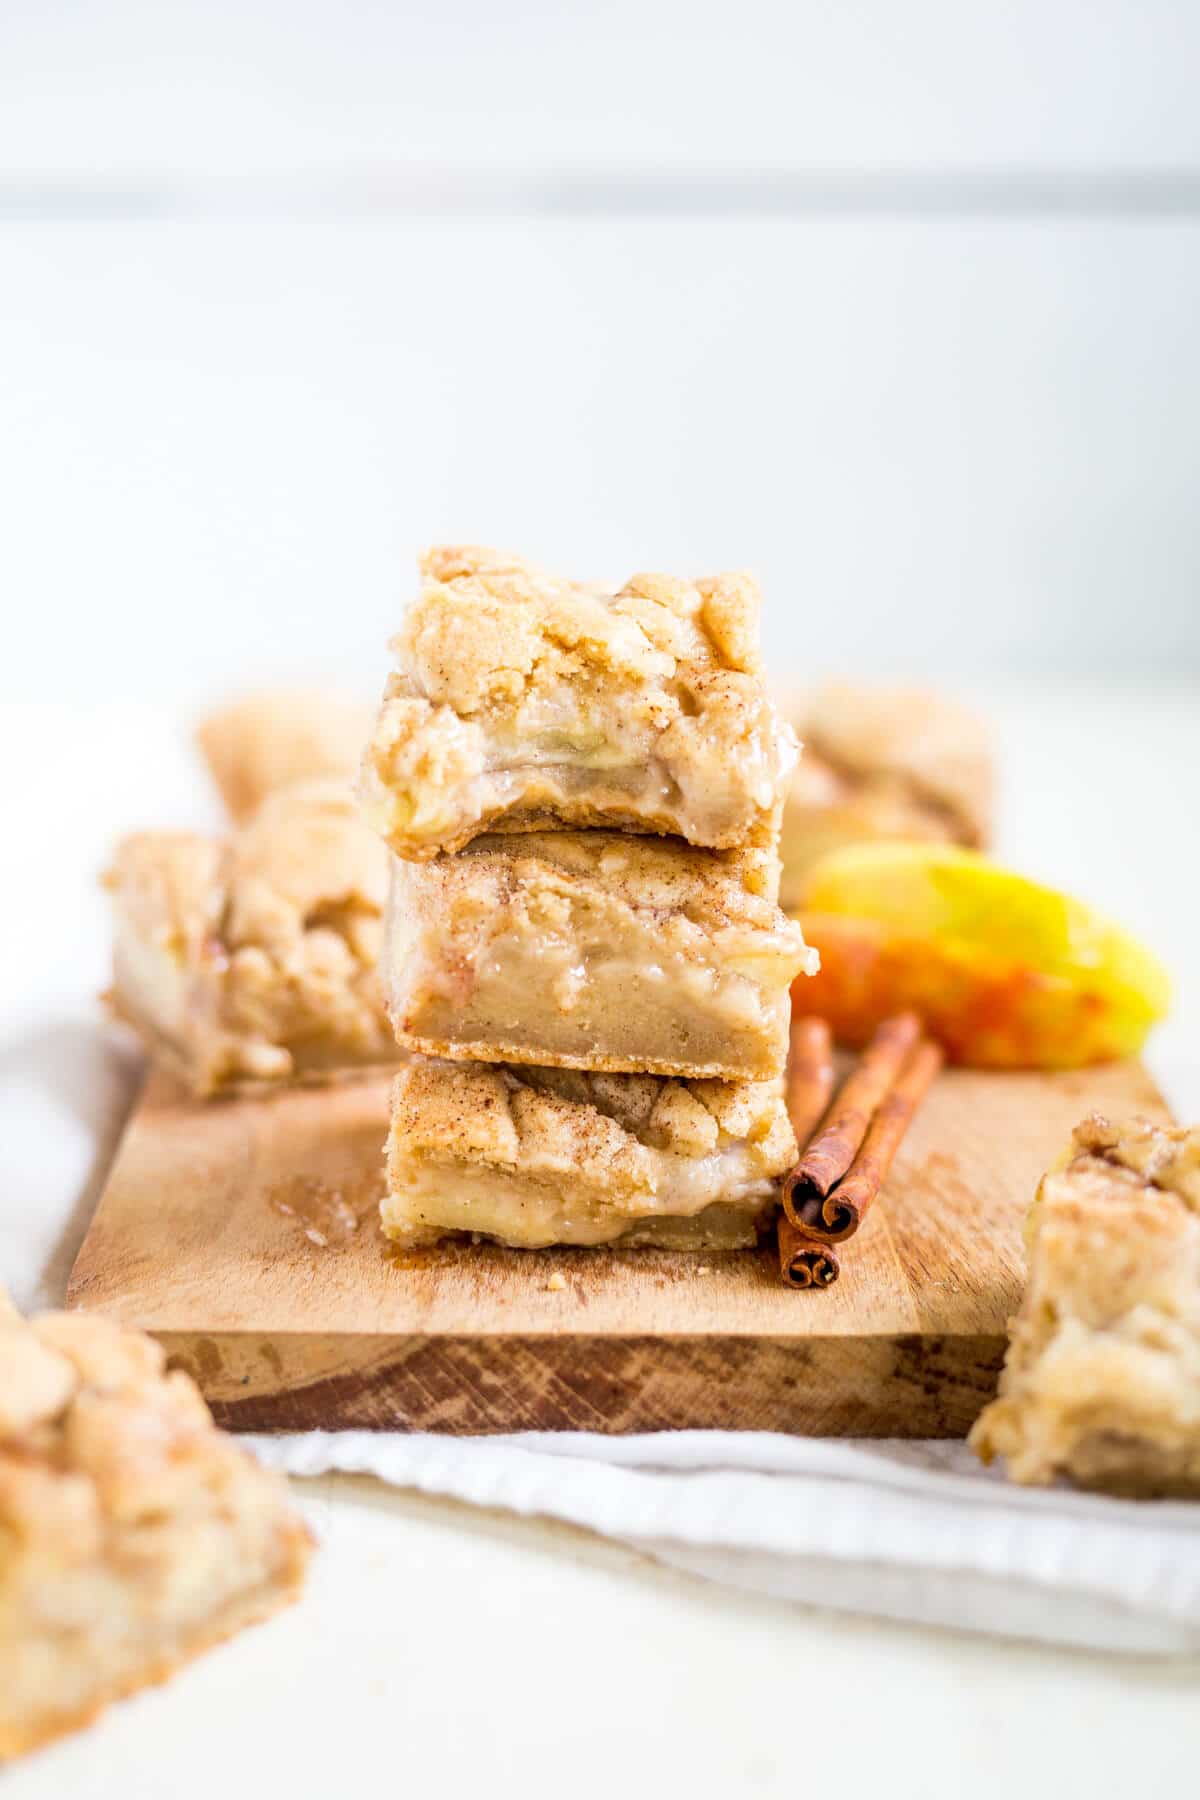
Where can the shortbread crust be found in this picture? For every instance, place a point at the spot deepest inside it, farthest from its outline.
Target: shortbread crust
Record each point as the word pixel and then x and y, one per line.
pixel 133 1534
pixel 1102 1380
pixel 522 702
pixel 594 950
pixel 535 1156
pixel 267 741
pixel 253 959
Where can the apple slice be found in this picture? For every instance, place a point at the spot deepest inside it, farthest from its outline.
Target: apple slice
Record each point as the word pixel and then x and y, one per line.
pixel 1006 973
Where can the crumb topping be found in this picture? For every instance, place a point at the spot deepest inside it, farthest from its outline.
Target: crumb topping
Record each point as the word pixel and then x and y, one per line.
pixel 1166 1157
pixel 596 1125
pixel 98 1442
pixel 708 888
pixel 514 685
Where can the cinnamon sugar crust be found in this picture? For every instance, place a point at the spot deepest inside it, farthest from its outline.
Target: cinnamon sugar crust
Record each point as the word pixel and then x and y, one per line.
pixel 133 1534
pixel 267 741
pixel 253 959
pixel 523 701
pixel 1102 1381
pixel 537 1156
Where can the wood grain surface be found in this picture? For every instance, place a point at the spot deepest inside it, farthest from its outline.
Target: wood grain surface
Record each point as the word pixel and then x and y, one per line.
pixel 243 1233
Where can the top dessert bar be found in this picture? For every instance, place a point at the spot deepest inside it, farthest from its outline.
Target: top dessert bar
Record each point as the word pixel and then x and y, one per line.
pixel 883 763
pixel 522 701
pixel 1102 1381
pixel 266 741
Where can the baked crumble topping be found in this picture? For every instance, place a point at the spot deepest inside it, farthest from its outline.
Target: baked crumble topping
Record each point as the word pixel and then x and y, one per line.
pixel 1166 1157
pixel 522 700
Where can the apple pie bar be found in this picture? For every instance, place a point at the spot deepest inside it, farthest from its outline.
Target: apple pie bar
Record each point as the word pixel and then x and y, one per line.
pixel 1102 1381
pixel 133 1534
pixel 521 701
pixel 253 959
pixel 596 950
pixel 531 1157
pixel 882 763
pixel 266 741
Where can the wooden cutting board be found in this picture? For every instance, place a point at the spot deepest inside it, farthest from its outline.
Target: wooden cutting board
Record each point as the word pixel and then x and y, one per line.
pixel 244 1235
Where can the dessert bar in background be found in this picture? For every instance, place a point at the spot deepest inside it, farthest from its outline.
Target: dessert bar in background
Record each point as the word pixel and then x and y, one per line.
pixel 882 762
pixel 269 740
pixel 254 958
pixel 594 949
pixel 133 1534
pixel 534 1157
pixel 522 701
pixel 1102 1381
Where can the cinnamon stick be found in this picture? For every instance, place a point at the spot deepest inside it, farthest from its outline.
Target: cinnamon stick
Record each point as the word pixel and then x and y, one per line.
pixel 869 1170
pixel 808 1201
pixel 805 1262
pixel 809 1075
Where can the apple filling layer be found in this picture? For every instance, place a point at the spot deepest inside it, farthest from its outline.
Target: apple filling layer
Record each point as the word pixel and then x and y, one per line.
pixel 594 950
pixel 521 701
pixel 532 1157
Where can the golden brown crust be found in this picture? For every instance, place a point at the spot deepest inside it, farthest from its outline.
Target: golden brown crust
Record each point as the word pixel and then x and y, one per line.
pixel 498 1049
pixel 254 959
pixel 266 741
pixel 1102 1380
pixel 522 699
pixel 133 1534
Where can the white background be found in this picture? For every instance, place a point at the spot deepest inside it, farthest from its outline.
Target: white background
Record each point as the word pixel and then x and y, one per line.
pixel 895 303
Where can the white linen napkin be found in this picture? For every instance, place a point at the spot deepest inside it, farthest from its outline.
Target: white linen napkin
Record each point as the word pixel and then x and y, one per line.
pixel 906 1530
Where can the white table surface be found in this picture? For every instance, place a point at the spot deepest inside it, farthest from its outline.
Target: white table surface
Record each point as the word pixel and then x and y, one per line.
pixel 443 1650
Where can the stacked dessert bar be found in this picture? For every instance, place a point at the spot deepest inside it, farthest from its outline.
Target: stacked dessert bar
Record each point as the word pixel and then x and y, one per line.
pixel 581 791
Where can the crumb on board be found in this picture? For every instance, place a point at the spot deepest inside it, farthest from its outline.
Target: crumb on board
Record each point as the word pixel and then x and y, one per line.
pixel 557 1282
